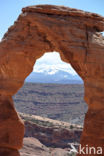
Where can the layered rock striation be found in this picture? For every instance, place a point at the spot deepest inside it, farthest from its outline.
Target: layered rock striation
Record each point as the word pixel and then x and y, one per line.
pixel 47 137
pixel 75 34
pixel 51 133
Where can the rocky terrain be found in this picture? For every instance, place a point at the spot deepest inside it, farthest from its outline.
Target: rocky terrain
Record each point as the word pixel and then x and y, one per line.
pixel 47 137
pixel 33 147
pixel 55 101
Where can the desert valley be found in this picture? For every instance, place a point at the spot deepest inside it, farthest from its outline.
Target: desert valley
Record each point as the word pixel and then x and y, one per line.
pixel 53 115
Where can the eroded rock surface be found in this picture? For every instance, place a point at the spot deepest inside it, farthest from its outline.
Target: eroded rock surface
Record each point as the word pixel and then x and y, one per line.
pixel 75 34
pixel 51 133
pixel 33 147
pixel 47 137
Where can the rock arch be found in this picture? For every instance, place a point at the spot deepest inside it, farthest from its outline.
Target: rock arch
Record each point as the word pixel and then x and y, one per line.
pixel 75 34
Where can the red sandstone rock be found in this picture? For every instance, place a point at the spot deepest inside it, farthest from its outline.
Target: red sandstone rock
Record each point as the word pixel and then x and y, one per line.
pixel 75 34
pixel 51 133
pixel 8 152
pixel 11 126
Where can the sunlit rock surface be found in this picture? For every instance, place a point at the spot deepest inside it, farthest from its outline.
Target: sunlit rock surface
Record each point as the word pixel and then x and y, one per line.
pixel 75 34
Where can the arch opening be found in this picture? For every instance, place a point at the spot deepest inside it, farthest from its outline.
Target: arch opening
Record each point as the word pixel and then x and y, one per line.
pixel 51 65
pixel 53 91
pixel 49 77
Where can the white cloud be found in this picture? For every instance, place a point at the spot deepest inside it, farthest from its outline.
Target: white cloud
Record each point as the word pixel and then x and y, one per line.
pixel 103 33
pixel 52 63
pixel 50 58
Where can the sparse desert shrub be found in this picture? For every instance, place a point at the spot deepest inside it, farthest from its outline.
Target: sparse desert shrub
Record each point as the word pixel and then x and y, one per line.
pixel 71 126
pixel 71 154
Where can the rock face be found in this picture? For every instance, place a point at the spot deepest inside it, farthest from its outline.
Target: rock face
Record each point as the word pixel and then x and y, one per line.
pixel 75 34
pixel 33 147
pixel 51 133
pixel 47 137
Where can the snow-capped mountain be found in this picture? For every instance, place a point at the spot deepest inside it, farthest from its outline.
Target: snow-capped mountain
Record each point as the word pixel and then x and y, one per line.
pixel 53 70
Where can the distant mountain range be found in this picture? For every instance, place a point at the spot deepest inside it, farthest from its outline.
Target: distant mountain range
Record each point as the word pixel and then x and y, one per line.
pixel 54 74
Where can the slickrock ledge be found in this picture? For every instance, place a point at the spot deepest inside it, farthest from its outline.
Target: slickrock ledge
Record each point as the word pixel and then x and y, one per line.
pixel 51 133
pixel 75 34
pixel 98 20
pixel 54 136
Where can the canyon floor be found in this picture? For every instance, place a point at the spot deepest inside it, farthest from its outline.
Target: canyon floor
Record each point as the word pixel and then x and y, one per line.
pixel 53 115
pixel 47 137
pixel 54 101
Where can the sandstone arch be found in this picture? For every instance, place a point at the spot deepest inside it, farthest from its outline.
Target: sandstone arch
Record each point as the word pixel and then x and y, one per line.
pixel 75 34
